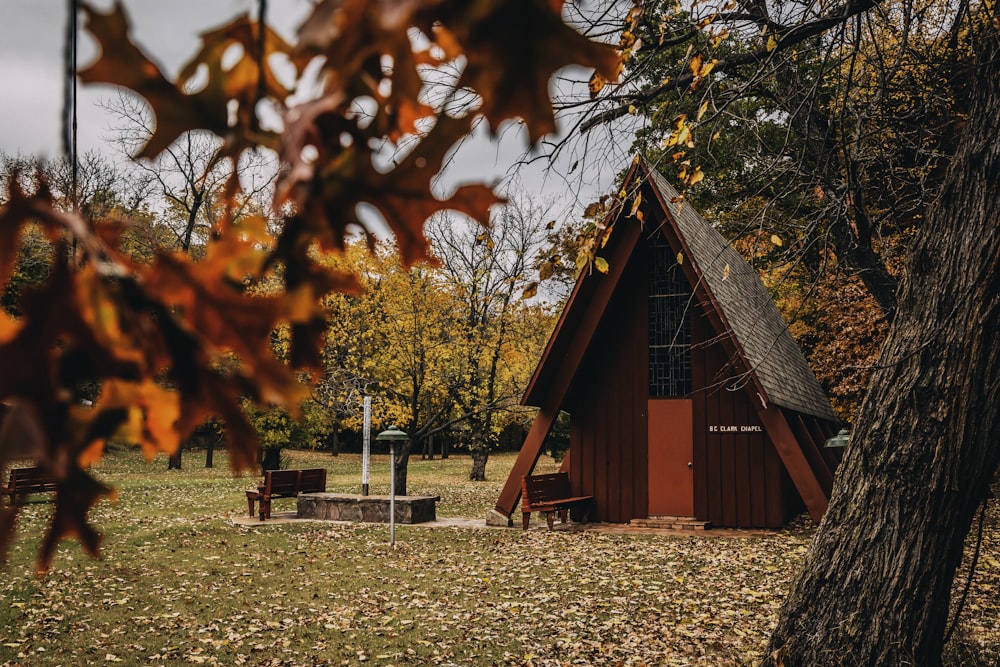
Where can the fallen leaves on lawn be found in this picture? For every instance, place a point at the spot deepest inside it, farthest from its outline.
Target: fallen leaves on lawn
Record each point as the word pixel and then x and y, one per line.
pixel 181 585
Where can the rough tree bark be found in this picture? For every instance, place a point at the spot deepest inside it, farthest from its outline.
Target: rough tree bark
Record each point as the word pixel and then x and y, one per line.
pixel 479 448
pixel 403 450
pixel 875 585
pixel 480 455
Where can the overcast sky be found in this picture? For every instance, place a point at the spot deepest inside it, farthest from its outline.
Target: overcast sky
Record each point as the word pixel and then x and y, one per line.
pixel 31 83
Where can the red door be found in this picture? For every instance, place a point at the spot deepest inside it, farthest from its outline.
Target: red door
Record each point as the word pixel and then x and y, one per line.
pixel 671 477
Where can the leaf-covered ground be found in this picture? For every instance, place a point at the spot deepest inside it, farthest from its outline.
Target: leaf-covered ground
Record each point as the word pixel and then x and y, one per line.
pixel 179 583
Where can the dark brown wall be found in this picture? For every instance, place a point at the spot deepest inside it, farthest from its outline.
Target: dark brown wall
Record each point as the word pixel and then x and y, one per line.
pixel 739 479
pixel 608 407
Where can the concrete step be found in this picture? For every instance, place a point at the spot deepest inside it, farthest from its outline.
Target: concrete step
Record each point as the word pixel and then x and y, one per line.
pixel 670 523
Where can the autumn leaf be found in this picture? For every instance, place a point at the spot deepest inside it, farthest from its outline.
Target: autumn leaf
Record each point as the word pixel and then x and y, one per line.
pixel 76 494
pixel 596 84
pixel 519 88
pixel 350 38
pixel 122 63
pixel 545 270
pixel 702 109
pixel 696 176
pixel 696 64
pixel 601 264
pixel 636 203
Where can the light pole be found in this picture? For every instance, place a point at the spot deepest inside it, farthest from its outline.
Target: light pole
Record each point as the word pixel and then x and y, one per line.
pixel 392 435
pixel 366 445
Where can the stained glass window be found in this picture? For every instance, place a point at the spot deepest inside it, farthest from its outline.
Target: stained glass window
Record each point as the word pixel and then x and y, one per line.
pixel 669 323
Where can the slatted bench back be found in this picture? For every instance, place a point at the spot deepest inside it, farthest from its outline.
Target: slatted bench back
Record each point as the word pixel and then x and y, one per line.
pixel 29 480
pixel 313 480
pixel 542 489
pixel 294 482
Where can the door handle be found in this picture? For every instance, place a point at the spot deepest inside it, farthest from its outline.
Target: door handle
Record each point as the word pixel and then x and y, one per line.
pixel 690 465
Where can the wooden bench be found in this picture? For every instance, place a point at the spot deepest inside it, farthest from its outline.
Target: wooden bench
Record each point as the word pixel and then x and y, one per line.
pixel 550 494
pixel 285 484
pixel 24 481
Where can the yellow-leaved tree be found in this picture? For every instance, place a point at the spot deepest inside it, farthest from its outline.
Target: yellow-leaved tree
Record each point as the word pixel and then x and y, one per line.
pixel 151 335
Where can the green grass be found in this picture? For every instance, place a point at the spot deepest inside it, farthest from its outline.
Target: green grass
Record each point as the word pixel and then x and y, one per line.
pixel 179 583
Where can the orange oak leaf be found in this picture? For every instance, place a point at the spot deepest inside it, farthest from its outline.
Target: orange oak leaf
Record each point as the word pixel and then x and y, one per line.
pixel 352 37
pixel 76 494
pixel 402 195
pixel 222 318
pixel 513 48
pixel 122 63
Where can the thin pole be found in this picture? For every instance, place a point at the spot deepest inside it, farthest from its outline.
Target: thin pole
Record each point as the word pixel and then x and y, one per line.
pixel 392 493
pixel 70 126
pixel 69 133
pixel 366 446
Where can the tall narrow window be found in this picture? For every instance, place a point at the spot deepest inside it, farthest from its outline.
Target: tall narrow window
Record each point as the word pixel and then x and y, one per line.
pixel 669 323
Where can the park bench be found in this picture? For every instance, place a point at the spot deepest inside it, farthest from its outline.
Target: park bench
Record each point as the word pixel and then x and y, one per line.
pixel 23 481
pixel 550 494
pixel 285 484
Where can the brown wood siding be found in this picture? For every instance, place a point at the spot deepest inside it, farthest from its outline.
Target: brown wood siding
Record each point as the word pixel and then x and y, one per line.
pixel 608 436
pixel 702 457
pixel 740 481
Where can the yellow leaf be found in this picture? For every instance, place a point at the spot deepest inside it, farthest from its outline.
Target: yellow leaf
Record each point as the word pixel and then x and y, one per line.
pixel 725 272
pixel 776 240
pixel 632 110
pixel 702 109
pixel 696 64
pixel 684 135
pixel 635 204
pixel 680 258
pixel 707 68
pixel 772 43
pixel 596 84
pixel 601 264
pixel 696 176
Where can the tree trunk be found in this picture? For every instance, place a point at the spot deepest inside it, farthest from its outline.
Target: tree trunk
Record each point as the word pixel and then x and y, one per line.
pixel 875 585
pixel 333 441
pixel 174 462
pixel 209 452
pixel 271 459
pixel 402 461
pixel 480 454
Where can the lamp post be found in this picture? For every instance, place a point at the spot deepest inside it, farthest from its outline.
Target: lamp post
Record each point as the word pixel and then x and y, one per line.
pixel 392 435
pixel 366 445
pixel 839 440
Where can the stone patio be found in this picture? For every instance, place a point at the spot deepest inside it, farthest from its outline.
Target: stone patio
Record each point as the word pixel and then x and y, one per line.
pixel 368 509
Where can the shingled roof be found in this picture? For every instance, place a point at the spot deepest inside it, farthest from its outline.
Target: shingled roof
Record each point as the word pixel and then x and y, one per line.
pixel 746 307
